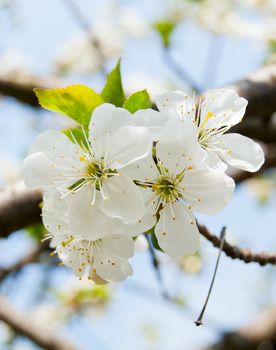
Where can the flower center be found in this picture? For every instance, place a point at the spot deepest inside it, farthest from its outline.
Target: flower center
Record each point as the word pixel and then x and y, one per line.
pixel 167 188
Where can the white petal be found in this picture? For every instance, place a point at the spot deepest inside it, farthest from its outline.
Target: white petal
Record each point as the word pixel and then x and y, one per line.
pixel 55 213
pixel 87 221
pixel 128 144
pixel 207 191
pixel 107 119
pixel 214 162
pixel 123 199
pixel 226 105
pixel 57 146
pixel 144 170
pixel 148 220
pixel 177 235
pixel 176 104
pixel 178 146
pixel 241 152
pixel 39 171
pixel 111 267
pixel 151 119
pixel 120 246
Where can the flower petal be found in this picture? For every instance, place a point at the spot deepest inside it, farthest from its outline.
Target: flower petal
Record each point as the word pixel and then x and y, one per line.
pixel 108 119
pixel 207 191
pixel 120 246
pixel 88 221
pixel 109 266
pixel 127 145
pixel 177 234
pixel 241 152
pixel 123 199
pixel 226 106
pixel 178 146
pixel 151 119
pixel 55 213
pixel 176 104
pixel 214 162
pixel 39 171
pixel 57 146
pixel 148 220
pixel 144 170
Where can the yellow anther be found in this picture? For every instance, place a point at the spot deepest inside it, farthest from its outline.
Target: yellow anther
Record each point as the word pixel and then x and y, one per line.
pixel 82 158
pixel 190 167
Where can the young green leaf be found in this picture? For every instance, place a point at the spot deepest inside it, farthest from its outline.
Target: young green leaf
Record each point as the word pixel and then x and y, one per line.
pixel 165 29
pixel 113 89
pixel 138 100
pixel 75 101
pixel 75 135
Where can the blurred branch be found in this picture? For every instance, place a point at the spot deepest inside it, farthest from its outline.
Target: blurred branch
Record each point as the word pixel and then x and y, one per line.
pixel 259 334
pixel 85 25
pixel 33 256
pixel 23 92
pixel 179 70
pixel 157 269
pixel 236 252
pixel 259 88
pixel 19 208
pixel 21 324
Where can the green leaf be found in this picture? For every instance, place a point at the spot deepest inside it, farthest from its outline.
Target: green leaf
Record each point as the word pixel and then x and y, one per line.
pixel 36 232
pixel 165 29
pixel 138 100
pixel 155 242
pixel 76 135
pixel 75 101
pixel 113 89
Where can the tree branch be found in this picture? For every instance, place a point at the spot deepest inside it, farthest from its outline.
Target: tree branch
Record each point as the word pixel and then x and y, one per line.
pixel 19 208
pixel 258 334
pixel 21 324
pixel 33 256
pixel 259 89
pixel 235 252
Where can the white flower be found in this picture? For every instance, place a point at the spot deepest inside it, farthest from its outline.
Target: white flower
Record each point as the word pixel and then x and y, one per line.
pixel 112 143
pixel 214 116
pixel 176 185
pixel 86 240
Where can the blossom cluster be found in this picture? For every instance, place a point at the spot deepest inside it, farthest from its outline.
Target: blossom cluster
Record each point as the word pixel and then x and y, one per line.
pixel 131 174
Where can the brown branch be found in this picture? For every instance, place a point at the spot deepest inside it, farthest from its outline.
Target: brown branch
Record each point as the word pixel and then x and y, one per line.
pixel 27 212
pixel 259 89
pixel 18 208
pixel 258 334
pixel 33 256
pixel 235 252
pixel 23 325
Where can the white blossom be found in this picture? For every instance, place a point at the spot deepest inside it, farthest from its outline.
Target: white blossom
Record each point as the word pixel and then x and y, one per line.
pixel 85 239
pixel 176 185
pixel 95 165
pixel 215 114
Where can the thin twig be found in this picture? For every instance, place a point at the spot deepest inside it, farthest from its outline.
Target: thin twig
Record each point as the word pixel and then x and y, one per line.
pixel 85 25
pixel 235 252
pixel 199 322
pixel 180 71
pixel 157 269
pixel 23 325
pixel 28 259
